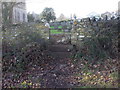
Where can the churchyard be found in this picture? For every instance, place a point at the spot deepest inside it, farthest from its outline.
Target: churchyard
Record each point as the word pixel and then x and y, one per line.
pixel 62 56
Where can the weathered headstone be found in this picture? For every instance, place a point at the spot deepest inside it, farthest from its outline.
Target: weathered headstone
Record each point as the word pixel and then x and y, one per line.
pixel 47 25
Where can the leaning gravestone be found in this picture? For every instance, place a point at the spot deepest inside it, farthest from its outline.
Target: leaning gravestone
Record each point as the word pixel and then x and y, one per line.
pixel 45 31
pixel 47 25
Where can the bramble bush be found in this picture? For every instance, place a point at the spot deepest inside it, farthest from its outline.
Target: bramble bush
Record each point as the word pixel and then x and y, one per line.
pixel 102 44
pixel 22 45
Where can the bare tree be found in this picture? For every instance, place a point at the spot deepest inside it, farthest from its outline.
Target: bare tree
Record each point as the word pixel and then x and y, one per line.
pixel 0 15
pixel 62 17
pixel 7 11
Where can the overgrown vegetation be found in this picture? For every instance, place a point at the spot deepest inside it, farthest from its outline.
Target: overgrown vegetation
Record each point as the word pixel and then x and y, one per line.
pixel 94 65
pixel 100 42
pixel 22 45
pixel 99 52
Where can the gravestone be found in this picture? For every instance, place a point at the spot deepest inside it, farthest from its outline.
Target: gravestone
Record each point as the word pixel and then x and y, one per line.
pixel 56 25
pixel 47 25
pixel 63 24
pixel 69 26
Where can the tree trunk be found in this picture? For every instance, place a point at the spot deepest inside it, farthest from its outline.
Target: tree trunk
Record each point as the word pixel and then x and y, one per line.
pixel 0 15
pixel 0 44
pixel 8 12
pixel 10 16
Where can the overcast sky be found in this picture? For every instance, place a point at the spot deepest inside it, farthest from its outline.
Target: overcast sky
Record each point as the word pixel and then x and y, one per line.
pixel 79 7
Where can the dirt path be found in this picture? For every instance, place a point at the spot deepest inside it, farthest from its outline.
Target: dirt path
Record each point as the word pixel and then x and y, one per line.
pixel 57 77
pixel 56 73
pixel 58 70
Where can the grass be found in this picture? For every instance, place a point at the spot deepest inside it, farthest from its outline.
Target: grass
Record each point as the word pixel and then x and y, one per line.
pixel 53 31
pixel 56 31
pixel 60 27
pixel 52 27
